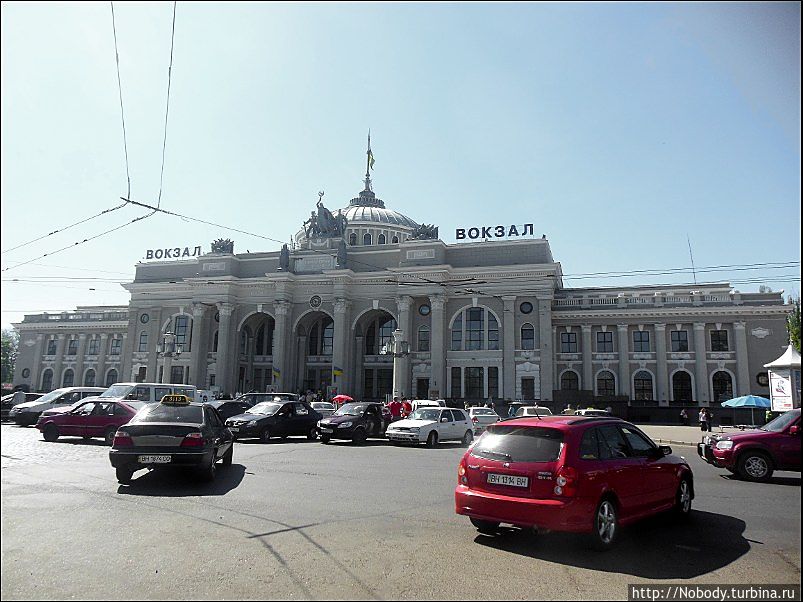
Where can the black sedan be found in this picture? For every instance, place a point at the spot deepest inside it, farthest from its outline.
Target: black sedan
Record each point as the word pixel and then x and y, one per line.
pixel 230 407
pixel 172 433
pixel 356 422
pixel 276 419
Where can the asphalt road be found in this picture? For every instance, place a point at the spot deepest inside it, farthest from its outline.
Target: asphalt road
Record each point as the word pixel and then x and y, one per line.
pixel 302 520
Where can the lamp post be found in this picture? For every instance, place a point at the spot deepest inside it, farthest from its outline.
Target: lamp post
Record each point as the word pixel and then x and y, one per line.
pixel 168 349
pixel 398 349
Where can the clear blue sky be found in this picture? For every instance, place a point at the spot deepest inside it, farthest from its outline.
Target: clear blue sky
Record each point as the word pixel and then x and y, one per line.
pixel 617 129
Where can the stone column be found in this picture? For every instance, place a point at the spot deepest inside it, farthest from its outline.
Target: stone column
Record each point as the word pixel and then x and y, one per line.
pixel 127 349
pixel 405 325
pixel 509 348
pixel 624 361
pixel 280 337
pixel 438 353
pixel 398 373
pixel 340 346
pixel 223 366
pixel 57 380
pixel 359 377
pixel 588 368
pixel 547 352
pixel 100 379
pixel 198 346
pixel 742 367
pixel 661 376
pixel 701 367
pixel 79 361
pixel 154 337
pixel 301 360
pixel 36 368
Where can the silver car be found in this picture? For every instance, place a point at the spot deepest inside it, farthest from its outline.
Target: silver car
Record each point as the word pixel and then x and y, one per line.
pixel 481 418
pixel 324 408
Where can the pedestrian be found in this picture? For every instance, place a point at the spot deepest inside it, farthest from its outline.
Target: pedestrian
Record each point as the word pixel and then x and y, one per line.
pixel 407 408
pixel 568 410
pixel 767 415
pixel 684 417
pixel 710 419
pixel 703 418
pixel 395 408
pixel 511 411
pixel 609 409
pixel 19 397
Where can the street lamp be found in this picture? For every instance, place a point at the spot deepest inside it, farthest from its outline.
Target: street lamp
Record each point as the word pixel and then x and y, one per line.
pixel 168 349
pixel 398 349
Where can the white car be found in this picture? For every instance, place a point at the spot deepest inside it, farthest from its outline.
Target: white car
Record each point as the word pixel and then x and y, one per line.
pixel 324 408
pixel 428 403
pixel 481 418
pixel 432 425
pixel 532 411
pixel 591 412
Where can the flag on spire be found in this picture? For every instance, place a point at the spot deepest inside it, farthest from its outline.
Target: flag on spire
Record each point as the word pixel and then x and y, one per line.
pixel 370 154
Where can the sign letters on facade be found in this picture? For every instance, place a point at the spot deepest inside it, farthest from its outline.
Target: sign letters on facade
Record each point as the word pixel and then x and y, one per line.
pixel 493 232
pixel 174 253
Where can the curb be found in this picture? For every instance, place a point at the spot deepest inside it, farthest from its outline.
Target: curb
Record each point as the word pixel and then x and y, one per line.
pixel 672 442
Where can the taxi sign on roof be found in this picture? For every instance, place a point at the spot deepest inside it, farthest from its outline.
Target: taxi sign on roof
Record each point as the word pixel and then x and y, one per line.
pixel 176 400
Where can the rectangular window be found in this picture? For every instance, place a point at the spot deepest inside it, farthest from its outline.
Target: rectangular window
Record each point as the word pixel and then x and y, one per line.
pixel 680 340
pixel 457 333
pixel 528 388
pixel 719 340
pixel 423 339
pixel 51 347
pixel 568 342
pixel 94 345
pixel 604 342
pixel 177 374
pixel 528 337
pixel 72 347
pixel 457 392
pixel 117 345
pixel 474 383
pixel 475 329
pixel 641 341
pixel 493 382
pixel 181 331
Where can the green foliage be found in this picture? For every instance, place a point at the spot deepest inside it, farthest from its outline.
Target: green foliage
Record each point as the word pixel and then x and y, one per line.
pixel 793 324
pixel 10 346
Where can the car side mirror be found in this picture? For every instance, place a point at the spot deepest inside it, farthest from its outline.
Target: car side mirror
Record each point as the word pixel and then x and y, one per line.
pixel 444 420
pixel 665 450
pixel 794 430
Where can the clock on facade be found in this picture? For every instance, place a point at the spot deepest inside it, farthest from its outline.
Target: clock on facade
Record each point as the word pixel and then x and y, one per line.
pixel 144 318
pixel 424 310
pixel 315 302
pixel 526 307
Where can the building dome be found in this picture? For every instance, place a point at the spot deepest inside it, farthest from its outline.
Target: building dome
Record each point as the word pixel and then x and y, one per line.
pixel 367 209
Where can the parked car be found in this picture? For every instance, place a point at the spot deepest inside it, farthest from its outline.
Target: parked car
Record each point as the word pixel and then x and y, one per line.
pixel 755 454
pixel 356 422
pixel 428 403
pixel 148 392
pixel 87 419
pixel 432 425
pixel 568 473
pixel 591 412
pixel 28 413
pixel 526 411
pixel 174 432
pixel 324 408
pixel 8 402
pixel 229 407
pixel 254 398
pixel 276 419
pixel 481 418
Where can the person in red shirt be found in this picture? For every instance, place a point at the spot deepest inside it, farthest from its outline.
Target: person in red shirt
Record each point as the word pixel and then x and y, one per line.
pixel 407 408
pixel 395 408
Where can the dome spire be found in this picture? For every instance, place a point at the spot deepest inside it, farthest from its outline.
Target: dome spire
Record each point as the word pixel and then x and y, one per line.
pixel 369 164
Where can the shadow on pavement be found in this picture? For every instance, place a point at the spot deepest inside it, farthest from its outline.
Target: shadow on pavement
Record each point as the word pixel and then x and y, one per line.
pixel 178 482
pixel 789 481
pixel 277 440
pixel 655 548
pixel 68 439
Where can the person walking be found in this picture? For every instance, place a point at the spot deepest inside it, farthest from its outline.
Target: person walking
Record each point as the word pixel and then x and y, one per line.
pixel 703 418
pixel 684 417
pixel 407 408
pixel 395 408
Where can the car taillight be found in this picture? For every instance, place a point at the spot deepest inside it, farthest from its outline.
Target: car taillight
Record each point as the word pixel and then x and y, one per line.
pixel 566 482
pixel 122 439
pixel 193 440
pixel 462 479
pixel 474 419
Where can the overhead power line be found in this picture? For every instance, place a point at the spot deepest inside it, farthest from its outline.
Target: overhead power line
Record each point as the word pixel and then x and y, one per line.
pixel 167 108
pixel 122 112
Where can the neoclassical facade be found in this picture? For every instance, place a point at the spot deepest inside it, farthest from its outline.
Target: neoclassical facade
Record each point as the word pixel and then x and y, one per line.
pixel 483 319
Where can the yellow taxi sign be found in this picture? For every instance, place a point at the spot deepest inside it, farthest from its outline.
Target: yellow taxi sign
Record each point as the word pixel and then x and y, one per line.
pixel 176 400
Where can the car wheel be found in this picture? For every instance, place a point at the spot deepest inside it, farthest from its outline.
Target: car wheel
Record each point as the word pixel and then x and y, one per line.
pixel 51 432
pixel 208 473
pixel 486 527
pixel 359 437
pixel 312 435
pixel 468 438
pixel 124 475
pixel 264 436
pixel 432 439
pixel 108 436
pixel 683 499
pixel 606 525
pixel 228 456
pixel 325 438
pixel 755 466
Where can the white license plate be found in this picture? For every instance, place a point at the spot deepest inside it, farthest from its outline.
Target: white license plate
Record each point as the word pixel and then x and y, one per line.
pixel 505 479
pixel 154 459
pixel 234 429
pixel 323 430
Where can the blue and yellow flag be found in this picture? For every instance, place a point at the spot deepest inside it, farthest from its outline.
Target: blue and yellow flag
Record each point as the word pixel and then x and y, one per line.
pixel 336 371
pixel 370 159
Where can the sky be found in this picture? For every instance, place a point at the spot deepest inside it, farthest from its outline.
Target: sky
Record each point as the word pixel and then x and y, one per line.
pixel 625 132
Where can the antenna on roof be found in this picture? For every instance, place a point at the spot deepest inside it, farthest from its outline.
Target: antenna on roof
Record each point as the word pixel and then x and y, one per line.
pixel 693 271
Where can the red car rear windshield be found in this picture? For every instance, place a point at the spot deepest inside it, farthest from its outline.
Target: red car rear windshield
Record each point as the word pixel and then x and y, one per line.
pixel 510 443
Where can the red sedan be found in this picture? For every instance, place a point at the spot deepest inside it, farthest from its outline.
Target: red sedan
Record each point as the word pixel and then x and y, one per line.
pixel 570 473
pixel 88 419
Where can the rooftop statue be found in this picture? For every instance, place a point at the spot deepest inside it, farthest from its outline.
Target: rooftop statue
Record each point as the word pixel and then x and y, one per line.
pixel 324 224
pixel 284 259
pixel 223 246
pixel 425 232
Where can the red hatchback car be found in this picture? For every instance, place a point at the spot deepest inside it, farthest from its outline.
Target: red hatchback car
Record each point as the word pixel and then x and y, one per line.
pixel 570 473
pixel 88 419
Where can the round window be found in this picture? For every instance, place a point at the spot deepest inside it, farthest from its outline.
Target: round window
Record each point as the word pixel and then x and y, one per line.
pixel 526 307
pixel 26 373
pixel 144 318
pixel 424 310
pixel 315 302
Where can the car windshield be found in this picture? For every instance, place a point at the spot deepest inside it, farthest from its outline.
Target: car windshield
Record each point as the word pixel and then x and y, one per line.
pixel 483 412
pixel 117 391
pixel 519 444
pixel 351 409
pixel 322 405
pixel 52 395
pixel 781 422
pixel 159 412
pixel 266 408
pixel 426 414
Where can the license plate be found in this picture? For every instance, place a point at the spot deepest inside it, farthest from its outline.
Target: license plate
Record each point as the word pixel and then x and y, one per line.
pixel 323 430
pixel 505 479
pixel 154 459
pixel 234 429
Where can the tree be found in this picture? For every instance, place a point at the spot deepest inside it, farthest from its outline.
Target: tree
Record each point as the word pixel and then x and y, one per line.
pixel 793 323
pixel 10 346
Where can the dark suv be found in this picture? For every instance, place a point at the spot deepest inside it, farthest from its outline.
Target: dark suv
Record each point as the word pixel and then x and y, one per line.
pixel 276 419
pixel 355 421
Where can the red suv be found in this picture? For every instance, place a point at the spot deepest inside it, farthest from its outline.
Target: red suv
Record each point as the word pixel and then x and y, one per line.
pixel 754 454
pixel 569 473
pixel 89 419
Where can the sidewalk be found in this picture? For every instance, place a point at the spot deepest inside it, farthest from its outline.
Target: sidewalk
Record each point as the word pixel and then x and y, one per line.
pixel 675 435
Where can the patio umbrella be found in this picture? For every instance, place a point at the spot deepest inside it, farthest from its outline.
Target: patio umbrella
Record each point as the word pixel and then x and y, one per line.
pixel 342 398
pixel 748 401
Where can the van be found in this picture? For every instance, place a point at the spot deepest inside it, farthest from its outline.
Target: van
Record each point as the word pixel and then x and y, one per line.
pixel 27 413
pixel 147 392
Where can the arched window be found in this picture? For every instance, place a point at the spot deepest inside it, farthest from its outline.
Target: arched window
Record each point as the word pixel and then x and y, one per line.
pixel 353 239
pixel 382 239
pixel 379 334
pixel 394 240
pixel 328 338
pixel 366 239
pixel 642 386
pixel 94 346
pixel 143 342
pixel 47 380
pixel 569 381
pixel 321 336
pixel 681 386
pixel 244 340
pixel 111 378
pixel 214 343
pixel 89 378
pixel 260 340
pixel 423 338
pixel 475 329
pixel 606 384
pixel 182 330
pixel 69 378
pixel 528 337
pixel 723 386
